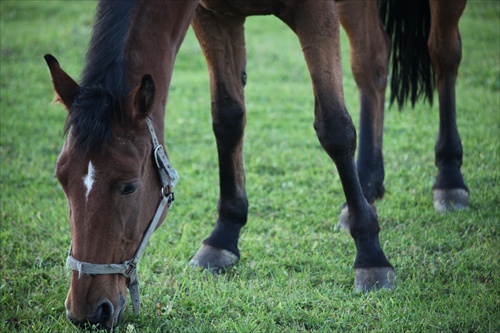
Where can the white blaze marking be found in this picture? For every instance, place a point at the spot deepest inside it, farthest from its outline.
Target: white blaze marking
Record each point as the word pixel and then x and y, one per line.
pixel 88 180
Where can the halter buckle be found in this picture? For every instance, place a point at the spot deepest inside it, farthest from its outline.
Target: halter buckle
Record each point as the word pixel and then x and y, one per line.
pixel 131 267
pixel 169 195
pixel 155 154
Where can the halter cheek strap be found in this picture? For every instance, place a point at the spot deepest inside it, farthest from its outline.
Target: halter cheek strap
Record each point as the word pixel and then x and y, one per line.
pixel 128 269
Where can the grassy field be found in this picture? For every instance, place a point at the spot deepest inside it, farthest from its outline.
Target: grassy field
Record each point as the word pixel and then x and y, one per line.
pixel 296 271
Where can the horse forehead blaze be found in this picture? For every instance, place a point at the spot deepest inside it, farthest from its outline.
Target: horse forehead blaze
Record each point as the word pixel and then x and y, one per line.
pixel 88 179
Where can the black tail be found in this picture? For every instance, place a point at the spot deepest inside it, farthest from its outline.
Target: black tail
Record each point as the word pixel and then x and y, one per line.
pixel 408 23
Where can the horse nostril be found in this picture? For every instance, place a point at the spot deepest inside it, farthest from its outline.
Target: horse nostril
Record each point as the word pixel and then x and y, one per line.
pixel 104 313
pixel 103 318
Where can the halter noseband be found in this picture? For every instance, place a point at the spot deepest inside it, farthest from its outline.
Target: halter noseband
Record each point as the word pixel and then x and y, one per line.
pixel 128 269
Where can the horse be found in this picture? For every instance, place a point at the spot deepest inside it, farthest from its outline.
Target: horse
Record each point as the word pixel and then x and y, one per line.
pixel 115 171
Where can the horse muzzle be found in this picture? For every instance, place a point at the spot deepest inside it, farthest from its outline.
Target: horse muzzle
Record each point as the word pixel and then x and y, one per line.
pixel 93 310
pixel 105 316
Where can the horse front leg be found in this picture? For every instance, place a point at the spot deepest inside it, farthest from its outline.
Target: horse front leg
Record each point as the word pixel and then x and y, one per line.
pixel 370 47
pixel 316 24
pixel 445 50
pixel 222 41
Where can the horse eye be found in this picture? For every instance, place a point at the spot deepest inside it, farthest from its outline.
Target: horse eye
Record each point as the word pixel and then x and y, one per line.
pixel 128 188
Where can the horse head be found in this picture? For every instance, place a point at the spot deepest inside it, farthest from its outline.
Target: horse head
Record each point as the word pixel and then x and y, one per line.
pixel 112 171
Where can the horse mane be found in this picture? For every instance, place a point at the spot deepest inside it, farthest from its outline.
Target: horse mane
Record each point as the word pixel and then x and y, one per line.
pixel 103 87
pixel 408 25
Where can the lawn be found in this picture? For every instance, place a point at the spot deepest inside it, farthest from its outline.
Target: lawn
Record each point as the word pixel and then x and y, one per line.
pixel 296 270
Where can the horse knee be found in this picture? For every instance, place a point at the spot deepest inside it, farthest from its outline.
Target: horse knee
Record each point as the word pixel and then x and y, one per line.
pixel 228 120
pixel 337 134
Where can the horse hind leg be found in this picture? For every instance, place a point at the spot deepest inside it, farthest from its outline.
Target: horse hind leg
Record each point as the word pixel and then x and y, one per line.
pixel 370 47
pixel 450 191
pixel 316 25
pixel 222 41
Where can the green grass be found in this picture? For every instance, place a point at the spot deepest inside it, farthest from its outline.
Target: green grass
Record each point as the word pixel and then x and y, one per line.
pixel 296 271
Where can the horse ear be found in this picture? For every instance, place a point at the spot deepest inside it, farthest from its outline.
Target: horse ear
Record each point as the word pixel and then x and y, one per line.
pixel 65 87
pixel 144 96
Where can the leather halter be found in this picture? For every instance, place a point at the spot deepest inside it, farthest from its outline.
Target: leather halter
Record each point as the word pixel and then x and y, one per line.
pixel 128 269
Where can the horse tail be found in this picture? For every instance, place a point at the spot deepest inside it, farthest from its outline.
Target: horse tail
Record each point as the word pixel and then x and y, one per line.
pixel 408 24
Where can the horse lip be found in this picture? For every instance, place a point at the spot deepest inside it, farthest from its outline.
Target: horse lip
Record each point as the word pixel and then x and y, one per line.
pixel 92 321
pixel 121 309
pixel 86 325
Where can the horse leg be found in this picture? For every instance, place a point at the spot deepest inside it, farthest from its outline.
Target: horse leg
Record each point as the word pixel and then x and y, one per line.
pixel 370 47
pixel 316 24
pixel 223 44
pixel 445 50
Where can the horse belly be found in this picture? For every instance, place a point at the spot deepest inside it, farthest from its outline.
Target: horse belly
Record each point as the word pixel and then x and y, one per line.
pixel 244 7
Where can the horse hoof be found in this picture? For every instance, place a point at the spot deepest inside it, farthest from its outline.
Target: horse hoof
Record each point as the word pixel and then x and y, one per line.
pixel 367 279
pixel 343 224
pixel 213 259
pixel 451 200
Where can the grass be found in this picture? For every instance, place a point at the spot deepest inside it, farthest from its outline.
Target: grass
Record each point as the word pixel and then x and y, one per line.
pixel 296 270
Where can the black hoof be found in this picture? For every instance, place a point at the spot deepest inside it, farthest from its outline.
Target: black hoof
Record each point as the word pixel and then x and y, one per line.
pixel 213 259
pixel 450 200
pixel 374 278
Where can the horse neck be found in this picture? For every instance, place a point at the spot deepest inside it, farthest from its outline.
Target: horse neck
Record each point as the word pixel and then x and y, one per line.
pixel 155 36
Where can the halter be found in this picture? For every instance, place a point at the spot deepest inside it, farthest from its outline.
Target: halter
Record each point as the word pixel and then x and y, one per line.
pixel 128 269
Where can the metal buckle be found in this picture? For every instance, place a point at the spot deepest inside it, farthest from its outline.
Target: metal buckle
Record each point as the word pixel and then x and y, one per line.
pixel 132 266
pixel 166 193
pixel 155 153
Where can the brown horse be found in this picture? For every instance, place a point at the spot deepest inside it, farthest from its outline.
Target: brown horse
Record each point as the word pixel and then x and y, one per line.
pixel 110 163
